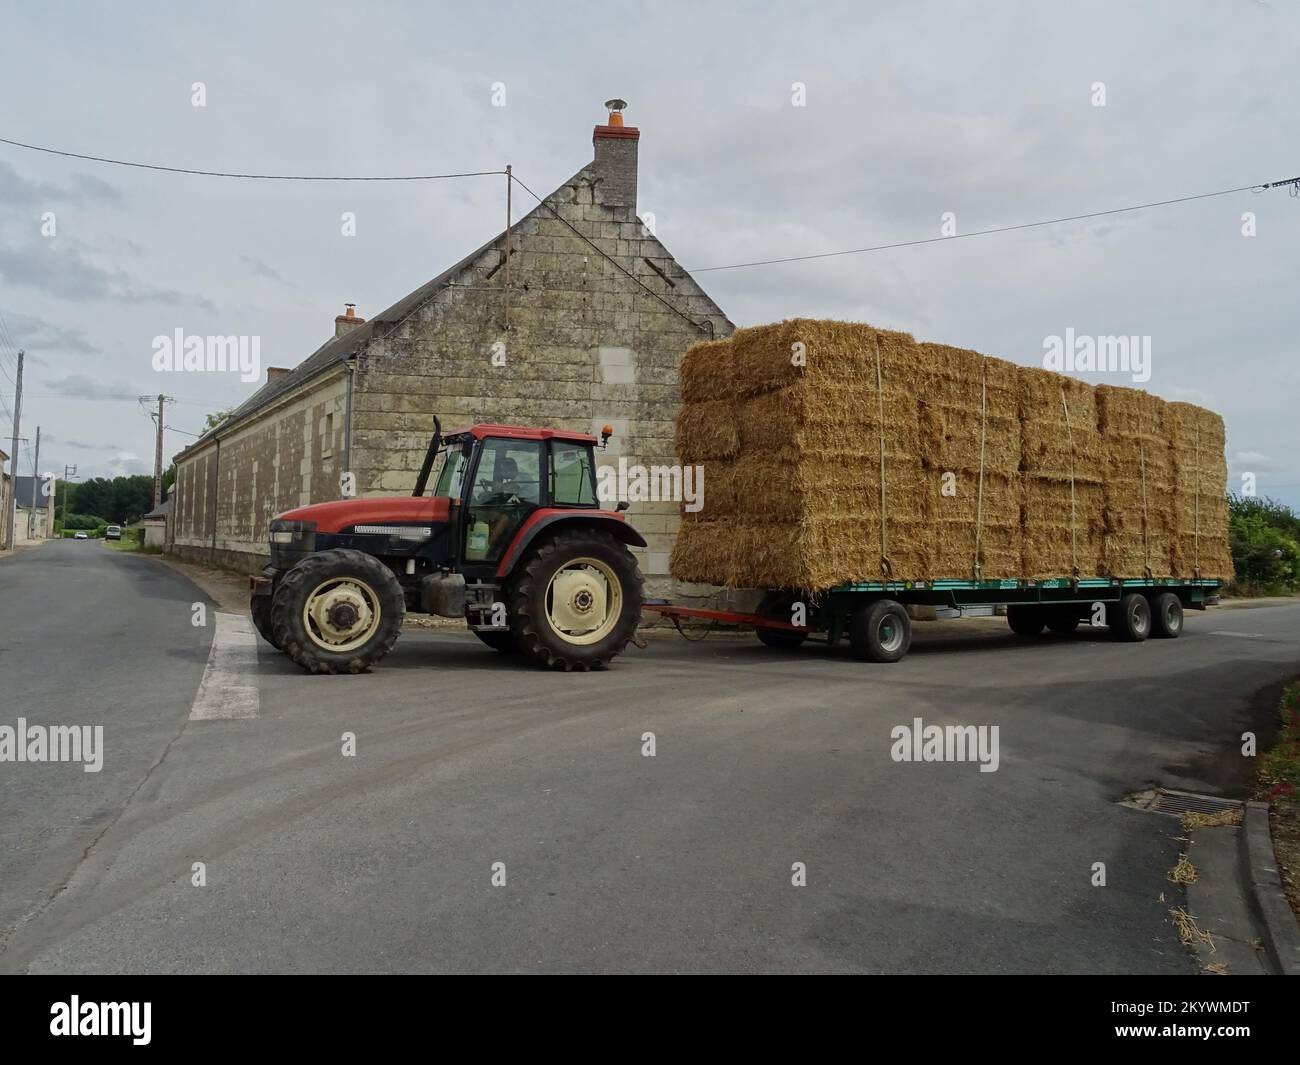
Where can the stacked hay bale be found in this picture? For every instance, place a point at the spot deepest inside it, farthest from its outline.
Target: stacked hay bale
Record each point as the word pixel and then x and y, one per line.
pixel 1062 475
pixel 970 437
pixel 1200 477
pixel 1139 492
pixel 815 433
pixel 794 424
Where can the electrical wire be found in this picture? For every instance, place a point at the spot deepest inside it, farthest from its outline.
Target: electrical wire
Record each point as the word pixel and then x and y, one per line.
pixel 996 229
pixel 248 177
pixel 703 328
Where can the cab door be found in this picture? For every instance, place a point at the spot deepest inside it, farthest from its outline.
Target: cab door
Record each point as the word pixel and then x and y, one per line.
pixel 507 488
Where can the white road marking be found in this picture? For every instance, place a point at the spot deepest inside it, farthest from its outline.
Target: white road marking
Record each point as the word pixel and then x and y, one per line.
pixel 229 685
pixel 1243 635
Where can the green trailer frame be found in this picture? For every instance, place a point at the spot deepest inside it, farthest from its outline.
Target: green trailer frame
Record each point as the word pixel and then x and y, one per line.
pixel 873 614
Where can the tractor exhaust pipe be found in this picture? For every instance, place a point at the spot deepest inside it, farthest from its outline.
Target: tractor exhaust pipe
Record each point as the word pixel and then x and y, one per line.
pixel 429 456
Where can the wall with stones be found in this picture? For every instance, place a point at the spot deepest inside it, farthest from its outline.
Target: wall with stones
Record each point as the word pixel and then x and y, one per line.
pixel 286 456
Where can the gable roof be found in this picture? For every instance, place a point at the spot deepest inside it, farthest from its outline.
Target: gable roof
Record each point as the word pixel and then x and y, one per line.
pixel 340 349
pixel 160 511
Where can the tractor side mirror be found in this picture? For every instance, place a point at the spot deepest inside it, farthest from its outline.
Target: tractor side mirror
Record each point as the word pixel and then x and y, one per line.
pixel 623 504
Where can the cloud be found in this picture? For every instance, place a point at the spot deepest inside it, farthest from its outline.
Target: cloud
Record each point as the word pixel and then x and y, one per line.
pixel 261 269
pixel 79 386
pixel 61 269
pixel 17 191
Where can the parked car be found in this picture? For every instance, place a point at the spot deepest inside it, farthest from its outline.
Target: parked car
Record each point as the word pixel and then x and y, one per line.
pixel 113 532
pixel 80 536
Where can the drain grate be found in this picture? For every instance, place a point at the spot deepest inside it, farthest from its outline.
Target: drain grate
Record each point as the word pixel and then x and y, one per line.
pixel 1177 803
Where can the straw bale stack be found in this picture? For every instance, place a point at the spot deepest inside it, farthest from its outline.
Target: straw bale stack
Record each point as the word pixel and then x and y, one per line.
pixel 1200 476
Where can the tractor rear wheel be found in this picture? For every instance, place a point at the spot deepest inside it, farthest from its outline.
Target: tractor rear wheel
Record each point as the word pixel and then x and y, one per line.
pixel 880 631
pixel 337 611
pixel 575 600
pixel 260 607
pixel 498 639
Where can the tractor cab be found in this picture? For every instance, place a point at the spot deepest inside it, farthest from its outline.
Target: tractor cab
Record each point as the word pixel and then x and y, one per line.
pixel 513 539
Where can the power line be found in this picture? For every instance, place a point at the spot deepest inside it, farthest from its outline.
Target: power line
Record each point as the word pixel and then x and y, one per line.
pixel 249 177
pixel 998 229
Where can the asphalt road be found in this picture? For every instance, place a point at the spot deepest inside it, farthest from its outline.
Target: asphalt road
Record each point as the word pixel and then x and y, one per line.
pixel 613 861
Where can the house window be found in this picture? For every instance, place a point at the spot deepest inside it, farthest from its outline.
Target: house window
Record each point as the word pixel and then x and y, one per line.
pixel 327 449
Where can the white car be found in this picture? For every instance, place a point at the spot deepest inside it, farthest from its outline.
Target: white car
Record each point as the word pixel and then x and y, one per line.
pixel 80 536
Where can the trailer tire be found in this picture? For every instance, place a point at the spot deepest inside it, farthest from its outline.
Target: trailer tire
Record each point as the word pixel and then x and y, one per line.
pixel 1025 620
pixel 1130 618
pixel 1166 616
pixel 498 639
pixel 1063 622
pixel 331 596
pixel 777 605
pixel 880 631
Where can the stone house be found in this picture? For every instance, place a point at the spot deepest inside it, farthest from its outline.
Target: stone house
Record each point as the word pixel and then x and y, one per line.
pixel 582 324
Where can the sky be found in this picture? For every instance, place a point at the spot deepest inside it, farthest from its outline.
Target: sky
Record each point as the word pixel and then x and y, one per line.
pixel 768 130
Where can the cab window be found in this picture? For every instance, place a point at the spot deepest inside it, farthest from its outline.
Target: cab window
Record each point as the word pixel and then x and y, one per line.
pixel 509 472
pixel 573 481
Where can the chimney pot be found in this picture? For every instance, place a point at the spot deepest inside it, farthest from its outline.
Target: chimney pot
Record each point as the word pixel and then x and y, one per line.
pixel 348 320
pixel 273 372
pixel 616 159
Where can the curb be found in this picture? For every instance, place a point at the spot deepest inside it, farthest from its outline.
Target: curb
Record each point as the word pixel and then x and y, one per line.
pixel 1267 900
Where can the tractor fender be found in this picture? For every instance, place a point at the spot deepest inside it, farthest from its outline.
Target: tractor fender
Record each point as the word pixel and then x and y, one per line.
pixel 549 520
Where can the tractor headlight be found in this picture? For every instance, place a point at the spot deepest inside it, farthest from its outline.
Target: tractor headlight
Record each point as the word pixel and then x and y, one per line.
pixel 284 537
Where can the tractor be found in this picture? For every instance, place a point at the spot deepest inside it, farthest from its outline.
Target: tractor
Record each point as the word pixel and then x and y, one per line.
pixel 513 539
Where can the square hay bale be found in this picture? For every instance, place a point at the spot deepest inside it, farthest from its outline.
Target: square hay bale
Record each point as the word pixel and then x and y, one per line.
pixel 819 553
pixel 988 516
pixel 718 488
pixel 773 490
pixel 816 418
pixel 705 371
pixel 769 357
pixel 1056 536
pixel 1200 477
pixel 704 553
pixel 707 430
pixel 1050 445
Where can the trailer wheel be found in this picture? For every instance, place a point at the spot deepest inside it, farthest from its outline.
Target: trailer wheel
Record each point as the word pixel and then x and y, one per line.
pixel 338 611
pixel 1025 620
pixel 1130 618
pixel 1166 616
pixel 777 605
pixel 498 639
pixel 575 601
pixel 1063 622
pixel 260 607
pixel 880 631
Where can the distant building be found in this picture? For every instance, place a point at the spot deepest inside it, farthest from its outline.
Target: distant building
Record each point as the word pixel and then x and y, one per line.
pixel 589 331
pixel 6 496
pixel 33 517
pixel 155 524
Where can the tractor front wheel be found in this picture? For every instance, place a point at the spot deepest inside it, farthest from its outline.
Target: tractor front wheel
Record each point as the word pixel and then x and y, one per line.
pixel 337 611
pixel 575 601
pixel 260 607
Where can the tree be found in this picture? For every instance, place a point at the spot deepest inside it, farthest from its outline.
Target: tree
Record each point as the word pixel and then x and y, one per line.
pixel 1264 536
pixel 214 419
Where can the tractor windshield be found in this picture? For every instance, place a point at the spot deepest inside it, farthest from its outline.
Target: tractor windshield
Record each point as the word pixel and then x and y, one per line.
pixel 452 473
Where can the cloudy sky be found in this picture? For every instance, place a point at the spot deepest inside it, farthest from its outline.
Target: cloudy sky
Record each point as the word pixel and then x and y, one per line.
pixel 911 109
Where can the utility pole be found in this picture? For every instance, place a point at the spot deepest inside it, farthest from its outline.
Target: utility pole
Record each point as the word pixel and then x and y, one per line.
pixel 158 447
pixel 69 472
pixel 8 538
pixel 36 466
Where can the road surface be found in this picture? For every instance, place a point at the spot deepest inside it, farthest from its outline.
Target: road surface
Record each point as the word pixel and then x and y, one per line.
pixel 470 768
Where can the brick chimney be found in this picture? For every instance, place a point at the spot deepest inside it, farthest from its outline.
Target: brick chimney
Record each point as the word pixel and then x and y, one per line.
pixel 616 146
pixel 348 320
pixel 273 372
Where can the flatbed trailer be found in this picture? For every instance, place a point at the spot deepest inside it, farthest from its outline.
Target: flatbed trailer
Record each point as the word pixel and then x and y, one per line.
pixel 875 619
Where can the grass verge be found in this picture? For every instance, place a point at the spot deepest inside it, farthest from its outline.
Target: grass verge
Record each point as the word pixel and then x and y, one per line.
pixel 1279 785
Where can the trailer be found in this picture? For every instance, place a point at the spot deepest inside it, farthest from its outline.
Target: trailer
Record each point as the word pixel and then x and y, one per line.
pixel 874 616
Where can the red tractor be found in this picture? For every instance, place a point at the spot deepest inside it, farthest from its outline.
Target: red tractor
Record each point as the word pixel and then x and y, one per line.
pixel 512 539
